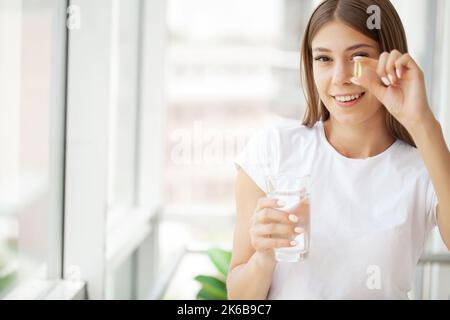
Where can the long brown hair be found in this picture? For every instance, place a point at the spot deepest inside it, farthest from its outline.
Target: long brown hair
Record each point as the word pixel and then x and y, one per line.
pixel 390 36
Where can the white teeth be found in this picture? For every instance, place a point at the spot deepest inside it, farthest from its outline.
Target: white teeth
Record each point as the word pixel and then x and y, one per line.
pixel 347 98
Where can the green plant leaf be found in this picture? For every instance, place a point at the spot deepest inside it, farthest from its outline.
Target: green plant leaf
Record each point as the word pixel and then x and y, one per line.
pixel 212 287
pixel 221 259
pixel 7 280
pixel 204 295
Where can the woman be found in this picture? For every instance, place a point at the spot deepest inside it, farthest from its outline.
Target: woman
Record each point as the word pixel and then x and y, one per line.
pixel 377 157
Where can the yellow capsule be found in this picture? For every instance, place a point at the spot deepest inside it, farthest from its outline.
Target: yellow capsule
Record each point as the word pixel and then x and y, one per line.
pixel 357 69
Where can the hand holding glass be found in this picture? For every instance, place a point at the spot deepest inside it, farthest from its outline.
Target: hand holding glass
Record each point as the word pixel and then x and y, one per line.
pixel 294 192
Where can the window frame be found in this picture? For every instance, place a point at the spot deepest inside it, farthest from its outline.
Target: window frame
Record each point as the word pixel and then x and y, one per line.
pixel 111 237
pixel 80 131
pixel 88 99
pixel 48 278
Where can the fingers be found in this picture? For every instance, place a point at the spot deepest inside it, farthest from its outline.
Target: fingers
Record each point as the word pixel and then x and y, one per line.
pixel 406 62
pixel 270 243
pixel 390 67
pixel 265 202
pixel 268 215
pixel 381 69
pixel 272 228
pixel 366 62
pixel 386 71
pixel 369 78
pixel 276 230
pixel 266 212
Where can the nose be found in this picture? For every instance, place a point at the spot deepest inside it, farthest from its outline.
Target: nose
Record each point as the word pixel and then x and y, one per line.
pixel 342 72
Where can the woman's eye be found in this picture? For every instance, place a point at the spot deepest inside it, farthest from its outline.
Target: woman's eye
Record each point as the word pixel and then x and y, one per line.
pixel 322 59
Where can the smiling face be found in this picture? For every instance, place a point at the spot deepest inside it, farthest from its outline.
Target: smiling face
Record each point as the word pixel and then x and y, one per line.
pixel 333 49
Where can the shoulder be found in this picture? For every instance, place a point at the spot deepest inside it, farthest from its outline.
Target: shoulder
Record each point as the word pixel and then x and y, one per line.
pixel 299 135
pixel 290 132
pixel 409 159
pixel 281 139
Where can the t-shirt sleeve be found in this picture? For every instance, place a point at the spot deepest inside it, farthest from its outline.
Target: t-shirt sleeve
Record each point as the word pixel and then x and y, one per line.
pixel 432 203
pixel 259 156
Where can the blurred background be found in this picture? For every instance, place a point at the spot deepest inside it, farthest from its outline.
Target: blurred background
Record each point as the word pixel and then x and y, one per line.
pixel 119 121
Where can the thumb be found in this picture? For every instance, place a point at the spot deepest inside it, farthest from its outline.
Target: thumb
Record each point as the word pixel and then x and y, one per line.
pixel 372 84
pixel 369 79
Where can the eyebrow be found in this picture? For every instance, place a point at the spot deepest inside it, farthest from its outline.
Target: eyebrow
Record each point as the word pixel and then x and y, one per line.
pixel 356 46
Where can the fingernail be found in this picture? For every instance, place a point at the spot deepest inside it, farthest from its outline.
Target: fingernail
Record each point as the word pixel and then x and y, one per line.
pixel 293 218
pixel 354 80
pixel 397 71
pixel 281 203
pixel 293 243
pixel 385 81
pixel 391 78
pixel 298 229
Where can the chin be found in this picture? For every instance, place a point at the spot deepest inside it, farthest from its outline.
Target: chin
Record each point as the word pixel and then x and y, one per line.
pixel 353 116
pixel 353 119
pixel 348 118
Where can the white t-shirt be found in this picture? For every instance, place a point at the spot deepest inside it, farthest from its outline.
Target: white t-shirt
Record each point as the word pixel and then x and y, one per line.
pixel 369 217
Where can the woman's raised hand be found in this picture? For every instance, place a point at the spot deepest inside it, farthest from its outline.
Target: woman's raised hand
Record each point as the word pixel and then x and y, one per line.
pixel 398 83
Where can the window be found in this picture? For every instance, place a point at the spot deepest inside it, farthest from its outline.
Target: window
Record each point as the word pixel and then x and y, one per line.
pixel 31 126
pixel 111 155
pixel 232 67
pixel 124 103
pixel 117 135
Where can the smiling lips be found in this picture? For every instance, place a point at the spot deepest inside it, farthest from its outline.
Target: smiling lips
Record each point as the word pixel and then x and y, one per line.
pixel 347 100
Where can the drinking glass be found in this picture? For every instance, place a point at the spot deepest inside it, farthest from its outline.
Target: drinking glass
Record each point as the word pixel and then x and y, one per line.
pixel 294 191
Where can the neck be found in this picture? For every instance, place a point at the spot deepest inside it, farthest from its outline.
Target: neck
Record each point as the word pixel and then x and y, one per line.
pixel 358 141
